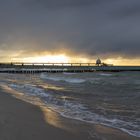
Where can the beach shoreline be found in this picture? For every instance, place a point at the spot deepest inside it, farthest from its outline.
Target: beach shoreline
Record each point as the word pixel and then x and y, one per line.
pixel 22 120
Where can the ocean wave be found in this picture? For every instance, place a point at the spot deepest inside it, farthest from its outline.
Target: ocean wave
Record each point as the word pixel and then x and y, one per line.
pixel 71 79
pixel 29 90
pixel 68 73
pixel 105 74
pixel 63 79
pixel 76 110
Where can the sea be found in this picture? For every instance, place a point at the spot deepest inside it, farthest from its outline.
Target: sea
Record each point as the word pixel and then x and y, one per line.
pixel 107 98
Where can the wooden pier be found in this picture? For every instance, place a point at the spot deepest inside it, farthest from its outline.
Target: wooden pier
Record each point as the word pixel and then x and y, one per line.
pixel 18 67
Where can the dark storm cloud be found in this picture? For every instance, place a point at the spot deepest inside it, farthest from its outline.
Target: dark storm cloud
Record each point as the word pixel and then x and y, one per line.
pixel 61 3
pixel 90 27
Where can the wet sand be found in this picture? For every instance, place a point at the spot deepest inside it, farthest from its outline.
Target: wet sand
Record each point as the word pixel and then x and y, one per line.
pixel 20 120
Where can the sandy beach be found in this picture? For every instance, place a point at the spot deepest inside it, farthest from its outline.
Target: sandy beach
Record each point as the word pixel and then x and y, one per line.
pixel 20 120
pixel 24 121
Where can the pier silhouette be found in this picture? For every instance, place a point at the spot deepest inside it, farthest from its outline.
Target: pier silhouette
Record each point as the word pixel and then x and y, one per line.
pixel 20 67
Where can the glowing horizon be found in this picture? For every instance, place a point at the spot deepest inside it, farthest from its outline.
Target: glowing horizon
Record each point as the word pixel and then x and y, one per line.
pixel 63 58
pixel 44 59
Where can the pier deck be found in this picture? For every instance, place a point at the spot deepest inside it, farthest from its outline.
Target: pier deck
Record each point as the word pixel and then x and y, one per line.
pixel 61 67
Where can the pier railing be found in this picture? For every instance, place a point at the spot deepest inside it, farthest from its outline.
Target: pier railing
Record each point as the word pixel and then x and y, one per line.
pixel 48 64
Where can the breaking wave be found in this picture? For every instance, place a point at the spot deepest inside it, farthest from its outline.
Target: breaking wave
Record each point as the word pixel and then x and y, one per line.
pixel 63 79
pixel 105 74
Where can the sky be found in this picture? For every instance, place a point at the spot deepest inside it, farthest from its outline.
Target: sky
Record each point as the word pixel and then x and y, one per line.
pixel 72 30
